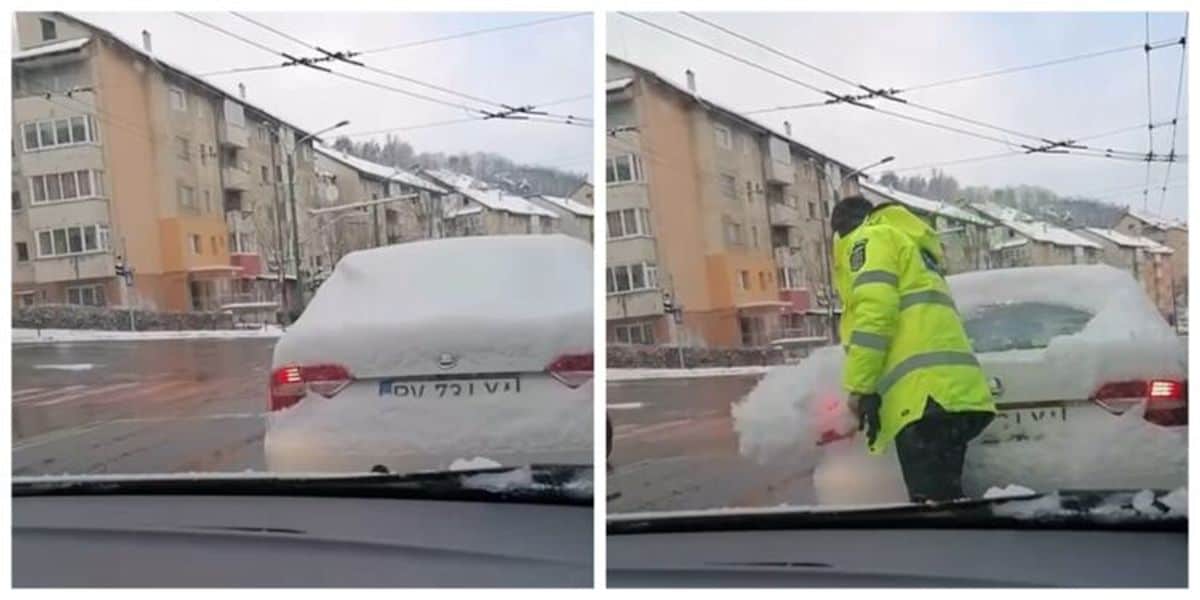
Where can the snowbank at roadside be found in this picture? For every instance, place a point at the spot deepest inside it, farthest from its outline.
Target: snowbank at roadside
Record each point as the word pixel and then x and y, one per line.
pixel 53 336
pixel 643 374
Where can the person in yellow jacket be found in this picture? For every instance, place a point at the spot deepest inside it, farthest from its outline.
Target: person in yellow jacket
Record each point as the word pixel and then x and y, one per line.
pixel 910 371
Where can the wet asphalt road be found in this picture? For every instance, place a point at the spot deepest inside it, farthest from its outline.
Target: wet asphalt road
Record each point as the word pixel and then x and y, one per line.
pixel 139 407
pixel 674 448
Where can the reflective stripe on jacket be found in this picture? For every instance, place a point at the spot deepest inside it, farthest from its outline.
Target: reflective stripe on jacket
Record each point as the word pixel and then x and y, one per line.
pixel 903 336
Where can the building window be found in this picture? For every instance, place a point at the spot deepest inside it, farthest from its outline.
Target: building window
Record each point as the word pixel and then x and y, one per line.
pixel 49 29
pixel 628 223
pixel 762 279
pixel 625 168
pixel 58 187
pixel 195 243
pixel 748 145
pixel 632 278
pixel 40 135
pixel 754 235
pixel 812 210
pixel 183 149
pixel 728 186
pixel 177 98
pixel 266 178
pixel 637 333
pixel 67 241
pixel 22 252
pixel 16 200
pixel 187 197
pixel 86 295
pixel 212 242
pixel 744 280
pixel 724 138
pixel 733 233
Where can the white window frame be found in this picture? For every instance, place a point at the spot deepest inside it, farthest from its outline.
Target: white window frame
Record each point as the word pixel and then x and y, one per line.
pixel 89 133
pixel 99 233
pixel 722 136
pixel 645 328
pixel 195 244
pixel 173 92
pixel 179 189
pixel 649 278
pixel 744 280
pixel 93 178
pixel 641 222
pixel 96 289
pixel 735 234
pixel 635 169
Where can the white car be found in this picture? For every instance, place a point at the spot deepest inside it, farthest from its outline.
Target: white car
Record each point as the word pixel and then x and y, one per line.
pixel 1089 380
pixel 433 354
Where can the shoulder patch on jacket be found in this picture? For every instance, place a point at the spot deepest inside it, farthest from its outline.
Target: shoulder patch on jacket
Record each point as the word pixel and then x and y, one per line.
pixel 858 255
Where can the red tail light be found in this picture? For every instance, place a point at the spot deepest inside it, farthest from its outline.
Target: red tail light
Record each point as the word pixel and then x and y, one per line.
pixel 289 384
pixel 572 370
pixel 1166 399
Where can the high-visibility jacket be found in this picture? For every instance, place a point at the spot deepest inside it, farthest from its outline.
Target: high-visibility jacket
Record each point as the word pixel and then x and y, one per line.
pixel 902 333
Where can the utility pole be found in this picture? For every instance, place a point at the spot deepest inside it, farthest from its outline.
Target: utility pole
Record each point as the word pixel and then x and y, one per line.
pixel 292 201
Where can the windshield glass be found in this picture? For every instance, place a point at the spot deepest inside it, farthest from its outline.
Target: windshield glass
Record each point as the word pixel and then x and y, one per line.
pixel 852 314
pixel 380 273
pixel 1022 326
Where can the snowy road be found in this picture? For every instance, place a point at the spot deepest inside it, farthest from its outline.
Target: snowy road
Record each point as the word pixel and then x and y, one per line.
pixel 674 448
pixel 139 407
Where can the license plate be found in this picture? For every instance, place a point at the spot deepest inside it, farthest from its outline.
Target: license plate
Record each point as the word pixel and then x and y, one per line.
pixel 1024 423
pixel 450 388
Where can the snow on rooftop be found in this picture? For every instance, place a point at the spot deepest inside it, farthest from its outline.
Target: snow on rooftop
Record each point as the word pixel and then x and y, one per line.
pixel 492 198
pixel 569 205
pixel 1038 231
pixel 47 49
pixel 1156 220
pixel 1130 241
pixel 377 170
pixel 619 84
pixel 1013 243
pixel 923 204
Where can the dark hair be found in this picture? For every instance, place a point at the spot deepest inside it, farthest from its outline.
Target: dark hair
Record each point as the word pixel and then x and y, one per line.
pixel 849 214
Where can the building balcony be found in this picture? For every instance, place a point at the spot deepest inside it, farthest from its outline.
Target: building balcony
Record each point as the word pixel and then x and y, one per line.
pixel 70 268
pixel 234 178
pixel 798 300
pixel 783 214
pixel 233 135
pixel 642 303
pixel 250 263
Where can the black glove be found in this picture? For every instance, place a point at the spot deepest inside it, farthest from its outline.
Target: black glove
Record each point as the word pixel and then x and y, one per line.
pixel 866 409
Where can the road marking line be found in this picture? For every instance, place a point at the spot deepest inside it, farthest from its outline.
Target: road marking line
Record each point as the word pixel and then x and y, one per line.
pixel 50 393
pixel 27 391
pixel 92 392
pixel 656 428
pixel 625 406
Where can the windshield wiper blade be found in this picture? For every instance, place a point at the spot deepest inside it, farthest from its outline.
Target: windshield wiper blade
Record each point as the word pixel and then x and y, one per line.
pixel 1068 509
pixel 540 483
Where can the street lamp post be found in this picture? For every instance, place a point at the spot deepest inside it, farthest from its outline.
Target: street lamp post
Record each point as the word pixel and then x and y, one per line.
pixel 827 234
pixel 299 297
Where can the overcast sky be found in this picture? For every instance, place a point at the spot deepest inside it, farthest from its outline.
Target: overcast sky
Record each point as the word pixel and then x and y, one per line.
pixel 1075 99
pixel 535 64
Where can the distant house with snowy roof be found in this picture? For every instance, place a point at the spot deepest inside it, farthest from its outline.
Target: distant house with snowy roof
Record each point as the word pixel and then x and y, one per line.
pixel 1019 240
pixel 1147 260
pixel 574 218
pixel 964 234
pixel 1168 232
pixel 475 208
pixel 347 180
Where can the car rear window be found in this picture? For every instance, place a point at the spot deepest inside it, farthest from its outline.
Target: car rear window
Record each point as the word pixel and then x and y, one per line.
pixel 1022 325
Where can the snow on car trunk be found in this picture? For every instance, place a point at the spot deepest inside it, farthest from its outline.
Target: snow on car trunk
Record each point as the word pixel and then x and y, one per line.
pixel 497 304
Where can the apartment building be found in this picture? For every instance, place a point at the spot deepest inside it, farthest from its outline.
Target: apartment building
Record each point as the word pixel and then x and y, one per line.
pixel 574 217
pixel 475 208
pixel 964 235
pixel 417 211
pixel 124 160
pixel 1168 232
pixel 1018 240
pixel 717 224
pixel 1147 260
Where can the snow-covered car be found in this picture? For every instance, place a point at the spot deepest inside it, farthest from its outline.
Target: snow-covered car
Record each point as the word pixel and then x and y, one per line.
pixel 1090 384
pixel 431 354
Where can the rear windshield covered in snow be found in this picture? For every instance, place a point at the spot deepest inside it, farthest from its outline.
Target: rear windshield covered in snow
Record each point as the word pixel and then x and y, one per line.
pixel 1022 325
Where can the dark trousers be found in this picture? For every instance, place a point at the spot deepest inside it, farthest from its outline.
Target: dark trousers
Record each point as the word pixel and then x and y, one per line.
pixel 932 449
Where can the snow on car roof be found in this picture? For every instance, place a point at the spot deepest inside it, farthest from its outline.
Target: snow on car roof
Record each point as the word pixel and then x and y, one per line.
pixel 56 47
pixel 1130 241
pixel 377 170
pixel 923 204
pixel 1038 231
pixel 568 204
pixel 490 197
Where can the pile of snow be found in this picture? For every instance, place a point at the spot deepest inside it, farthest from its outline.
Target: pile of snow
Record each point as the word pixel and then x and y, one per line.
pixel 471 464
pixel 646 374
pixel 50 336
pixel 1114 507
pixel 1008 491
pixel 524 479
pixel 499 303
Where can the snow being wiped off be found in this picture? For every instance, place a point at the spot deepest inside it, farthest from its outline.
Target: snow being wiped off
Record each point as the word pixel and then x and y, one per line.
pixel 783 419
